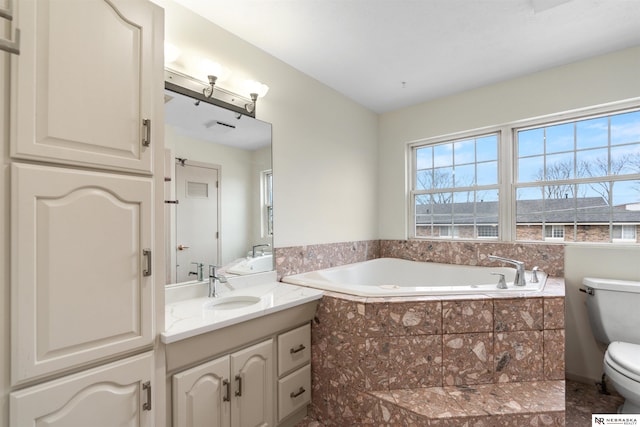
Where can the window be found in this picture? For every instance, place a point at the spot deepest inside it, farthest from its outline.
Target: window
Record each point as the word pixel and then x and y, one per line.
pixel 554 232
pixel 584 174
pixel 455 187
pixel 624 233
pixel 448 231
pixel 575 179
pixel 487 231
pixel 266 183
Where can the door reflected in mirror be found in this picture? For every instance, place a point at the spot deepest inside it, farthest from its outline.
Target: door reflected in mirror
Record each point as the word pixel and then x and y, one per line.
pixel 218 189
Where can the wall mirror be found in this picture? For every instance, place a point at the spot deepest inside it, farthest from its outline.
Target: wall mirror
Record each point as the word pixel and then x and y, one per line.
pixel 218 186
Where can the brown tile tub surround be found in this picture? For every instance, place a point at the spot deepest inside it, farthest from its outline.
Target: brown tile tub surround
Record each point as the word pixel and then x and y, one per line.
pixel 549 257
pixel 483 360
pixel 300 259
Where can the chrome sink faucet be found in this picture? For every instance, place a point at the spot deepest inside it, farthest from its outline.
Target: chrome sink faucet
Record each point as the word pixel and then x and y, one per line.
pixel 213 279
pixel 253 249
pixel 519 280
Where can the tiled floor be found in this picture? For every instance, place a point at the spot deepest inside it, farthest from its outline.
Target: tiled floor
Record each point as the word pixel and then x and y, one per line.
pixel 581 401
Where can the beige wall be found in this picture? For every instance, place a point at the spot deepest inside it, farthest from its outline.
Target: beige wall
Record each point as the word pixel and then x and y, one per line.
pixel 600 80
pixel 324 145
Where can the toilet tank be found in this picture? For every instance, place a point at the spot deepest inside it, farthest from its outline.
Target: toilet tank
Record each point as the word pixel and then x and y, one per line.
pixel 614 309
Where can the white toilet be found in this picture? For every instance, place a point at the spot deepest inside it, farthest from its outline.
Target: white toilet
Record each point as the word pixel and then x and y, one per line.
pixel 614 314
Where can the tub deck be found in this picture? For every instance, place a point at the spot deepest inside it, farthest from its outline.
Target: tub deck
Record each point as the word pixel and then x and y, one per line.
pixel 389 277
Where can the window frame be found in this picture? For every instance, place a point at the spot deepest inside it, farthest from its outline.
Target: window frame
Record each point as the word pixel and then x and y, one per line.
pixel 412 177
pixel 508 170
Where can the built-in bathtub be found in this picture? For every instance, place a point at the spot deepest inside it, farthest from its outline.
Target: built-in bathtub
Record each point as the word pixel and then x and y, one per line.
pixel 384 277
pixel 391 337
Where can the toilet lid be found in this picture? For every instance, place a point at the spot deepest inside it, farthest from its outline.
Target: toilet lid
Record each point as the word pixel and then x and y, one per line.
pixel 624 357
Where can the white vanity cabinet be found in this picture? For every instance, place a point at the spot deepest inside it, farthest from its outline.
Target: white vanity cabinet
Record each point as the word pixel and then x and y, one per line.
pixel 115 394
pixel 82 87
pixel 234 390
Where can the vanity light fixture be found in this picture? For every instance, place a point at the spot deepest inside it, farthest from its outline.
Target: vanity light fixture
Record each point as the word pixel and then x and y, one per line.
pixel 211 92
pixel 208 91
pixel 255 89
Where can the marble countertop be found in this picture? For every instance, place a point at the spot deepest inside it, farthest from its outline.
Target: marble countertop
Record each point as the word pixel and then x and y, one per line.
pixel 189 317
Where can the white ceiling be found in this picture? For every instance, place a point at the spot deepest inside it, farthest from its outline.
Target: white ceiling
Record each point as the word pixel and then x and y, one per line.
pixel 389 54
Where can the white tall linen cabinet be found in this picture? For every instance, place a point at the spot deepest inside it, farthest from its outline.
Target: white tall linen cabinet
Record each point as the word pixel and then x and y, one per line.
pixel 86 179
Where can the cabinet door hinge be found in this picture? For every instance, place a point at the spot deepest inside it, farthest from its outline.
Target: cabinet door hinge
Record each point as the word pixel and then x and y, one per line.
pixel 146 135
pixel 146 406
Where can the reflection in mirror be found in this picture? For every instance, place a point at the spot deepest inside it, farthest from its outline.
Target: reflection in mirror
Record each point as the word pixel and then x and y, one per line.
pixel 219 189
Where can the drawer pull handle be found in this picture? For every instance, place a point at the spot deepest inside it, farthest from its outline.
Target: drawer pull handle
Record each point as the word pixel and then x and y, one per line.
pixel 297 350
pixel 146 406
pixel 227 395
pixel 146 138
pixel 300 391
pixel 238 392
pixel 147 254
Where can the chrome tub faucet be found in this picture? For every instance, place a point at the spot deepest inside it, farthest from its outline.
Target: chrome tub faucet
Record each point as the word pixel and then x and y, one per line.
pixel 519 280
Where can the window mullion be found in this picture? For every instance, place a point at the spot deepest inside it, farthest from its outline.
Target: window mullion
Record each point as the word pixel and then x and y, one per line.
pixel 506 182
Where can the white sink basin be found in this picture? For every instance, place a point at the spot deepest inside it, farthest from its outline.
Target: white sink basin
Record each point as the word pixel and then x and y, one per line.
pixel 253 265
pixel 231 302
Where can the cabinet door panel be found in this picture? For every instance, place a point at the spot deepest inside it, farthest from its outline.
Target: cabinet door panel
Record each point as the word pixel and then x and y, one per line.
pixel 253 368
pixel 79 292
pixel 81 86
pixel 111 395
pixel 199 393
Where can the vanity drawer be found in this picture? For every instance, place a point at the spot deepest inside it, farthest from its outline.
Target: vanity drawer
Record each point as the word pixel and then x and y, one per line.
pixel 294 349
pixel 294 392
